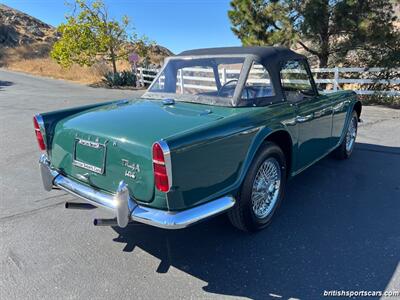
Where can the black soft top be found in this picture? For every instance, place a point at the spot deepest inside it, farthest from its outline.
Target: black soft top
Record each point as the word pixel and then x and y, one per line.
pixel 264 53
pixel 271 58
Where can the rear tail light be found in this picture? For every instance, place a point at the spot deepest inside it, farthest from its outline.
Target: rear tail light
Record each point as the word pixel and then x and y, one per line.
pixel 38 133
pixel 161 166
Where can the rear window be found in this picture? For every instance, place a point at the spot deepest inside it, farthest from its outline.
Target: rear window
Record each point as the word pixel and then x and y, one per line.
pixel 191 79
pixel 198 76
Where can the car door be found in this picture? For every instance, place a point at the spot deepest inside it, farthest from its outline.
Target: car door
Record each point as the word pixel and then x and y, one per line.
pixel 313 112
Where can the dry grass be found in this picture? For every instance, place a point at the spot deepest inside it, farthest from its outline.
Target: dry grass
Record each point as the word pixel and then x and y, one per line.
pixel 34 59
pixel 47 67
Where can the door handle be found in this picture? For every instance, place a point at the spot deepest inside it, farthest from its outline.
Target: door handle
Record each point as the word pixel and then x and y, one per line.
pixel 323 112
pixel 302 119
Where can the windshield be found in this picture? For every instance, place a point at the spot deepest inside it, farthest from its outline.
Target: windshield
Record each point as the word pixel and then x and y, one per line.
pixel 208 80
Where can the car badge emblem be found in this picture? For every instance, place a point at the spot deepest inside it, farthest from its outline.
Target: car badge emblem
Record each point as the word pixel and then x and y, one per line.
pixel 132 168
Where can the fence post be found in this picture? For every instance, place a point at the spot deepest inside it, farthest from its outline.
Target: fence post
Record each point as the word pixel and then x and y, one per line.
pixel 141 76
pixel 223 75
pixel 181 80
pixel 336 80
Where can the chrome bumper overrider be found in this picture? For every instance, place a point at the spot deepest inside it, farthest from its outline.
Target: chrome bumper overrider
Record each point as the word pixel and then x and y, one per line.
pixel 125 208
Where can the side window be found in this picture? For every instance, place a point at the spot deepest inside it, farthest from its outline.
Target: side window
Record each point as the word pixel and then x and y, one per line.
pixel 295 81
pixel 258 83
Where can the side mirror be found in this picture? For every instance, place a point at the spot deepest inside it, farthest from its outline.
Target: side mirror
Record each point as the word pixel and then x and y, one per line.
pixel 321 87
pixel 308 93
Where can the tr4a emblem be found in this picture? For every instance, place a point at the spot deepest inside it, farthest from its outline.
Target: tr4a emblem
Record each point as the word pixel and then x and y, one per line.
pixel 132 170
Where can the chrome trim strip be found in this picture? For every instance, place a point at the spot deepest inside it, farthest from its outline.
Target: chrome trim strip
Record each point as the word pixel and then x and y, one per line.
pixel 40 121
pixel 121 200
pixel 181 219
pixel 158 162
pixel 42 129
pixel 126 209
pixel 46 172
pixel 84 192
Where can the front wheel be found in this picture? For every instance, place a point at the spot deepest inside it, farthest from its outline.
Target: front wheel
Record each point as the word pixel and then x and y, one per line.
pixel 345 149
pixel 262 190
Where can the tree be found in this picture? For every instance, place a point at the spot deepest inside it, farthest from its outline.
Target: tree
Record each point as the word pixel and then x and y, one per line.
pixel 328 29
pixel 90 34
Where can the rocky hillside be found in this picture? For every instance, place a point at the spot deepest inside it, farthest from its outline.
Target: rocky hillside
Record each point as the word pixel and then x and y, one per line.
pixel 18 28
pixel 158 53
pixel 26 42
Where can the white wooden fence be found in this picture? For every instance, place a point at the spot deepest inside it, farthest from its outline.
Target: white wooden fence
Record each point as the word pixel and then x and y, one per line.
pixel 335 78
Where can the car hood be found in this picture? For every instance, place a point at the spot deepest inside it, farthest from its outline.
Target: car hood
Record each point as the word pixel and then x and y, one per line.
pixel 126 131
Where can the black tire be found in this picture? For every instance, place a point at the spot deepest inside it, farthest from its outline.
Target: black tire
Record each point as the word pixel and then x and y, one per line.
pixel 242 215
pixel 342 151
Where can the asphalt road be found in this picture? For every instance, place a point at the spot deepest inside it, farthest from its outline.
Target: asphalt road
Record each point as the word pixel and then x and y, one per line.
pixel 338 228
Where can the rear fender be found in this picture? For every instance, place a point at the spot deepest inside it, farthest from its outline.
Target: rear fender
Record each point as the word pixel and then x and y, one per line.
pixel 257 145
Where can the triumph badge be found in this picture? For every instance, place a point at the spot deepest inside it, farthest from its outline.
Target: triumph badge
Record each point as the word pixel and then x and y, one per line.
pixel 132 170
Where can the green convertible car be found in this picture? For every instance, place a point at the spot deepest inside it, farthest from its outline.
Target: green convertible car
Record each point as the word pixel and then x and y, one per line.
pixel 218 130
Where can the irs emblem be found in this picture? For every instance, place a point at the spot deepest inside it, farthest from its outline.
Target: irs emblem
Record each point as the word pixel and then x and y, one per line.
pixel 132 168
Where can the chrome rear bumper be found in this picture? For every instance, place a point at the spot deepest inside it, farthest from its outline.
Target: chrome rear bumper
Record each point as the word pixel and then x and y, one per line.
pixel 125 208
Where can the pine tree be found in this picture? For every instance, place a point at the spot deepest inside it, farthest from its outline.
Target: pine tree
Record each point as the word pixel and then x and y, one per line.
pixel 324 28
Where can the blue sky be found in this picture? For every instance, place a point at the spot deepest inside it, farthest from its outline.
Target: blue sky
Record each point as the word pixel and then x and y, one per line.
pixel 175 24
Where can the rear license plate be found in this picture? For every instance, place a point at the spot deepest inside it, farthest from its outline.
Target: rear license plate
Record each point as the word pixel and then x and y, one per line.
pixel 89 155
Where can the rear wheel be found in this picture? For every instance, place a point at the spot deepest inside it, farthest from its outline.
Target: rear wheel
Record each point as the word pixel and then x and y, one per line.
pixel 345 149
pixel 262 190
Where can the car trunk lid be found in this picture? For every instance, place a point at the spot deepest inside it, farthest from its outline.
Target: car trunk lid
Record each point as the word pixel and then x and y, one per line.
pixel 105 145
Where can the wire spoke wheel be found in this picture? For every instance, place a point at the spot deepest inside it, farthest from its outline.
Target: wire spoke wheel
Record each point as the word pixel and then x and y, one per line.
pixel 351 134
pixel 266 186
pixel 262 190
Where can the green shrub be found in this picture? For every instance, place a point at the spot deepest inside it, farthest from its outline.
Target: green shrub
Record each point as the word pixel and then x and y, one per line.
pixel 124 78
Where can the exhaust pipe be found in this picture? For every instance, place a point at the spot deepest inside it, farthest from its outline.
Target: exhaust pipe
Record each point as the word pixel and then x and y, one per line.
pixel 105 222
pixel 73 205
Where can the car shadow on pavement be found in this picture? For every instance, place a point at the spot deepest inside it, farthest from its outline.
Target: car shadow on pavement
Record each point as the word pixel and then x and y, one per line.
pixel 5 83
pixel 338 229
